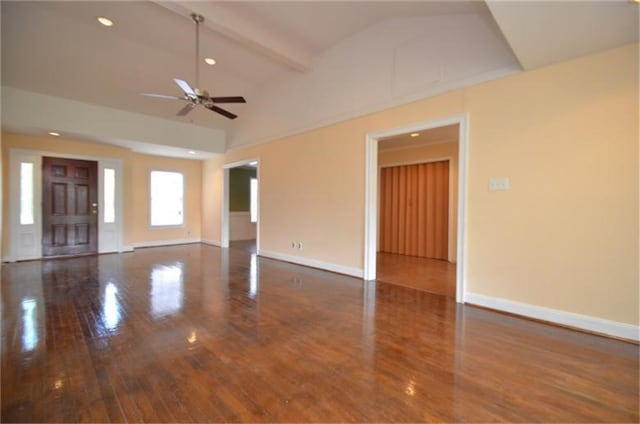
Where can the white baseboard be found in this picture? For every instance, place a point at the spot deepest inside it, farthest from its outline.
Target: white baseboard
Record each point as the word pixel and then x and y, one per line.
pixel 340 269
pixel 164 242
pixel 211 242
pixel 127 248
pixel 570 319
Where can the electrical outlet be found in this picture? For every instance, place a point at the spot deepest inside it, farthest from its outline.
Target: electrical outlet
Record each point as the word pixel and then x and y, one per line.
pixel 293 244
pixel 299 245
pixel 498 183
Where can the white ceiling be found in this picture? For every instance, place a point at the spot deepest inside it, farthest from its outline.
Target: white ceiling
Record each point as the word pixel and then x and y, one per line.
pixel 58 50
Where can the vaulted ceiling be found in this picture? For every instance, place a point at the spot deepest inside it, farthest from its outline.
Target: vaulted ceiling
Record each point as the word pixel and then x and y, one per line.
pixel 298 64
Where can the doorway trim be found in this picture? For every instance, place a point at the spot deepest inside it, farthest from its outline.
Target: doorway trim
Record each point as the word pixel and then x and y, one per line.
pixel 224 224
pixel 110 236
pixel 371 193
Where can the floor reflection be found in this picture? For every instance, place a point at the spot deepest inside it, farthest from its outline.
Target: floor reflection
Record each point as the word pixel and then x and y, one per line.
pixel 29 324
pixel 111 307
pixel 253 276
pixel 167 290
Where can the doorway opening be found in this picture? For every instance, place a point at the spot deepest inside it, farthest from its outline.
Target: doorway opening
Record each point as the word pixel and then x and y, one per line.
pixel 240 209
pixel 414 211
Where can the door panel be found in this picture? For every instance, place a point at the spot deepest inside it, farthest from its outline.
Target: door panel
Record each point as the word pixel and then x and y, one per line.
pixel 69 207
pixel 414 210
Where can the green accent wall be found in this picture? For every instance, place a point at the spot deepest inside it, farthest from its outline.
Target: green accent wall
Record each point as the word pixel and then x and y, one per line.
pixel 239 190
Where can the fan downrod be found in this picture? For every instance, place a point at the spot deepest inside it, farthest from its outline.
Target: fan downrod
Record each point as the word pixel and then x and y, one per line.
pixel 197 19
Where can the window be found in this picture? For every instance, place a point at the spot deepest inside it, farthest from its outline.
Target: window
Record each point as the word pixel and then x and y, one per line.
pixel 253 205
pixel 109 195
pixel 26 193
pixel 167 201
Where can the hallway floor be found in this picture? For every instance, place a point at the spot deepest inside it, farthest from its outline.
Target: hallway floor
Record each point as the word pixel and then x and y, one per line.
pixel 431 275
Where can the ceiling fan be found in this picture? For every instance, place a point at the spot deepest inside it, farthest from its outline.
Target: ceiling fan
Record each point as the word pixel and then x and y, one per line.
pixel 196 96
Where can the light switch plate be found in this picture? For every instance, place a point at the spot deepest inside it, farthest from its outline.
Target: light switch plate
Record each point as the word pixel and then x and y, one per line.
pixel 498 183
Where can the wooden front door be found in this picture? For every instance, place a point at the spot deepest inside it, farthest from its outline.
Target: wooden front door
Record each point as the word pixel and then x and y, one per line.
pixel 69 207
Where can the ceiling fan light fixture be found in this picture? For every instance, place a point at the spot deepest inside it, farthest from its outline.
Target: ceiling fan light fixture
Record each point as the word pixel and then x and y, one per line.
pixel 54 134
pixel 414 134
pixel 105 21
pixel 209 61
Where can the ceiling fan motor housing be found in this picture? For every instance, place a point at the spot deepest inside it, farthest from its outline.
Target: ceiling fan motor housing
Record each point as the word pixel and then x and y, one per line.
pixel 201 93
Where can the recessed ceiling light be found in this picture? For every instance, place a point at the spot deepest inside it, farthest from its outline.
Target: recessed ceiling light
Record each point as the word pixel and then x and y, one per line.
pixel 414 134
pixel 209 61
pixel 191 152
pixel 105 21
pixel 53 133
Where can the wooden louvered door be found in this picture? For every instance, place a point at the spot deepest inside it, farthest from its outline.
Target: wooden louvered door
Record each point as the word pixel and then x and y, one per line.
pixel 414 210
pixel 69 207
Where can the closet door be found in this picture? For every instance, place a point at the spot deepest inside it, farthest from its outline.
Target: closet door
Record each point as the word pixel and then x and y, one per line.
pixel 414 210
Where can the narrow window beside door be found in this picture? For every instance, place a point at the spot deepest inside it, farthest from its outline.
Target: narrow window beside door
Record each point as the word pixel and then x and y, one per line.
pixel 26 193
pixel 109 196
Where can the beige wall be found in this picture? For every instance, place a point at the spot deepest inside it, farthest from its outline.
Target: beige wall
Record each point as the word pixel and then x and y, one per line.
pixel 1 200
pixel 212 178
pixel 428 153
pixel 565 236
pixel 136 185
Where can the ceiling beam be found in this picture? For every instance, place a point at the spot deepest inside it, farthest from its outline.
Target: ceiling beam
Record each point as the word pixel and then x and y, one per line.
pixel 249 35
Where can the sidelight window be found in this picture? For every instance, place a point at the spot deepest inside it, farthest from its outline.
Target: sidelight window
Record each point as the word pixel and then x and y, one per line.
pixel 26 193
pixel 109 195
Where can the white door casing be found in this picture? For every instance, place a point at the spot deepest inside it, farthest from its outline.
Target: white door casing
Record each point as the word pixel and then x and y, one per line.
pixel 26 239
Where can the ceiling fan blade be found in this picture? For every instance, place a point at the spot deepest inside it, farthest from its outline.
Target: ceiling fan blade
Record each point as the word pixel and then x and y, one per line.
pixel 188 108
pixel 161 96
pixel 222 111
pixel 185 87
pixel 233 99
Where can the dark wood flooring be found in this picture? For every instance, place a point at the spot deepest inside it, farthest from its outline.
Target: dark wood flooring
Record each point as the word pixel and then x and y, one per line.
pixel 195 333
pixel 432 275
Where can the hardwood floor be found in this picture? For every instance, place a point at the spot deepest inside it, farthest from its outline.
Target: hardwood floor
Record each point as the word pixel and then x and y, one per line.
pixel 195 333
pixel 432 275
